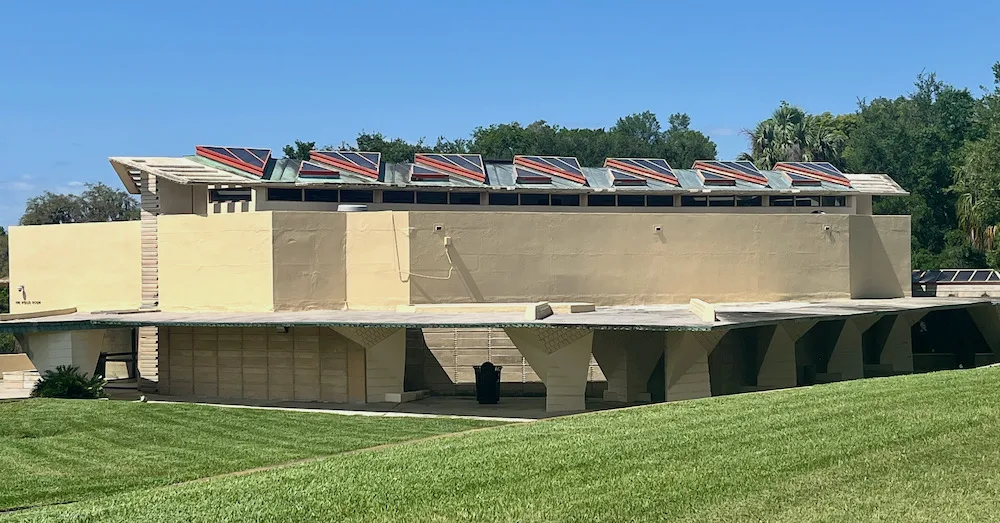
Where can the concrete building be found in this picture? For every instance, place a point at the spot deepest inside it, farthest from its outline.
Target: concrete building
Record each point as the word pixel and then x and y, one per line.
pixel 248 278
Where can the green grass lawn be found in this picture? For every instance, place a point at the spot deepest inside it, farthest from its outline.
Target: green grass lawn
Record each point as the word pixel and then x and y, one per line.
pixel 915 448
pixel 55 451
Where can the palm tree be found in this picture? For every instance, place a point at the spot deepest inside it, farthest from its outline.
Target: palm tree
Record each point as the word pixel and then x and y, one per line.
pixel 791 135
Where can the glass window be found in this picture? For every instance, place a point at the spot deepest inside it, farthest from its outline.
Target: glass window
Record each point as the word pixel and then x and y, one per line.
pixel 397 197
pixel 834 201
pixel 721 201
pixel 566 199
pixel 464 198
pixel 229 195
pixel 322 195
pixel 534 199
pixel 807 201
pixel 503 198
pixel 659 200
pixel 781 201
pixel 601 200
pixel 284 195
pixel 432 197
pixel 357 196
pixel 631 200
pixel 694 201
pixel 749 201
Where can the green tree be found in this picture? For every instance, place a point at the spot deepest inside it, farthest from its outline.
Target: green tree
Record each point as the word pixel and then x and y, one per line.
pixel 792 135
pixel 299 151
pixel 98 203
pixel 682 146
pixel 919 140
pixel 977 179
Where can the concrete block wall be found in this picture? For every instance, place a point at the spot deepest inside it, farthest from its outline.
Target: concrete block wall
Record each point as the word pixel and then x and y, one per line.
pixel 303 364
pixel 441 361
pixel 18 384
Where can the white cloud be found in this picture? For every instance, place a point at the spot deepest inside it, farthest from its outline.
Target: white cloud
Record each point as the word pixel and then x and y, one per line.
pixel 75 184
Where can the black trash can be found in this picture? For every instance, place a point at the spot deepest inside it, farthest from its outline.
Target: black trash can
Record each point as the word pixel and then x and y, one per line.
pixel 487 383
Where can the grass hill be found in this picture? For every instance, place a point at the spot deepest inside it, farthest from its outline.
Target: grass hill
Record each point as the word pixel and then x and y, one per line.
pixel 912 448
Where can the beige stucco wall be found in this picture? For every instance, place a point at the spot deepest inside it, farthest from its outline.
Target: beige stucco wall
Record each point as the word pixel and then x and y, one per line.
pixel 216 262
pixel 378 260
pixel 880 256
pixel 623 259
pixel 90 266
pixel 309 260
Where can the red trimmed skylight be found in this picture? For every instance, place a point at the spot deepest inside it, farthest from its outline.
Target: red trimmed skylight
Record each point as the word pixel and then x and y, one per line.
pixel 245 159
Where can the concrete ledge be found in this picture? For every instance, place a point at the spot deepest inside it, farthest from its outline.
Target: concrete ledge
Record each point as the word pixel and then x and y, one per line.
pixel 457 308
pixel 37 314
pixel 572 307
pixel 703 310
pixel 404 397
pixel 538 311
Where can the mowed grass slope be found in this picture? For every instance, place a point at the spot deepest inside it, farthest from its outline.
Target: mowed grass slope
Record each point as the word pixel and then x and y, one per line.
pixel 55 451
pixel 915 448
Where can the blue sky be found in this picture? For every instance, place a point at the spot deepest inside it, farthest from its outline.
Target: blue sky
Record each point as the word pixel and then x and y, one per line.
pixel 145 78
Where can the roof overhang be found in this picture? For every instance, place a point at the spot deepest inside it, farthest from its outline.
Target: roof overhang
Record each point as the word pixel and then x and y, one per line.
pixel 876 184
pixel 650 318
pixel 178 170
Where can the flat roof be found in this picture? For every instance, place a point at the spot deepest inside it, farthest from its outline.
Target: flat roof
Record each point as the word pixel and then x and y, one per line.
pixel 654 318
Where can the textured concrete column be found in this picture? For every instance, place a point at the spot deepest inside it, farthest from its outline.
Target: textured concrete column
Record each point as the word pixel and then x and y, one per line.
pixel 847 358
pixel 627 359
pixel 385 358
pixel 898 348
pixel 778 368
pixel 561 358
pixel 987 319
pixel 686 362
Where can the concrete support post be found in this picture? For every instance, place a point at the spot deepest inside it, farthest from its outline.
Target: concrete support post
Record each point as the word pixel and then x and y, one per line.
pixel 778 368
pixel 385 359
pixel 898 348
pixel 987 319
pixel 847 358
pixel 686 361
pixel 627 359
pixel 561 358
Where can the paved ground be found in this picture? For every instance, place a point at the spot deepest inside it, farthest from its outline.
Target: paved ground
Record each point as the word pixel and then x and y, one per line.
pixel 509 409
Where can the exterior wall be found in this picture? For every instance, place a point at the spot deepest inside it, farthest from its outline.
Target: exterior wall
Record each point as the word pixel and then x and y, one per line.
pixel 175 198
pixel 378 260
pixel 303 364
pixel 880 256
pixel 48 350
pixel 622 259
pixel 218 262
pixel 90 266
pixel 309 260
pixel 441 360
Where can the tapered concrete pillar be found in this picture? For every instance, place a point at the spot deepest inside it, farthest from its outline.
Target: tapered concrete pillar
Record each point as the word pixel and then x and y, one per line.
pixel 987 319
pixel 847 358
pixel 778 368
pixel 686 363
pixel 627 359
pixel 385 358
pixel 561 358
pixel 898 348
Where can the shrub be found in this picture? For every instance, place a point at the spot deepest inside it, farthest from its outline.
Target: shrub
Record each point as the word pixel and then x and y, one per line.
pixel 68 382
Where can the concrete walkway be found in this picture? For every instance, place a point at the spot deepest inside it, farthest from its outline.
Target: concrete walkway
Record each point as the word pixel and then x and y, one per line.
pixel 510 409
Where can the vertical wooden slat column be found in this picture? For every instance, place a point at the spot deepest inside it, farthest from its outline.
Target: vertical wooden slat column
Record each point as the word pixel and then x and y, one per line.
pixel 148 357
